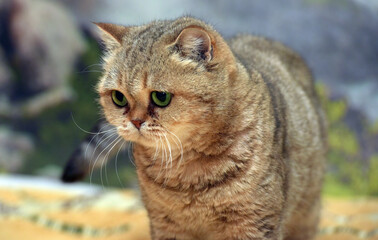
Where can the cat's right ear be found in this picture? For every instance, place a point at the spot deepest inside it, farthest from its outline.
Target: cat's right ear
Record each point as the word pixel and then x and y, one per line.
pixel 112 34
pixel 195 43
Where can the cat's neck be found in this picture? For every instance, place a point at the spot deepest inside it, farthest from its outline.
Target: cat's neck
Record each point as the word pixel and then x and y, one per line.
pixel 181 170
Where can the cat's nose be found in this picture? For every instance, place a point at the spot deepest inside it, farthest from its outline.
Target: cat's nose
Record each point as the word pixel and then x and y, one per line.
pixel 137 122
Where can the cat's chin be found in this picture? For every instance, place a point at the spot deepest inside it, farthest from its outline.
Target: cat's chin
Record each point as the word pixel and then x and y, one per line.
pixel 147 138
pixel 142 139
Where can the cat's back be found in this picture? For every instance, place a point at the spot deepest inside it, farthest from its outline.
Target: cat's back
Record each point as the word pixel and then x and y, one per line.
pixel 290 83
pixel 300 125
pixel 261 53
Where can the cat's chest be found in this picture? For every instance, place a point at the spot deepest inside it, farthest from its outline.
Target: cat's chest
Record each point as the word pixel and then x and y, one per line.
pixel 200 214
pixel 202 211
pixel 204 207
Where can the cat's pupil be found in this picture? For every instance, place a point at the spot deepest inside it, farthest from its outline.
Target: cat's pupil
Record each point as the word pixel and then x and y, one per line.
pixel 119 96
pixel 161 96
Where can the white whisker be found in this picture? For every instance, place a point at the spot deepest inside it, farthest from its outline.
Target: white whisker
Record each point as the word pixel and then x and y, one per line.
pixel 77 125
pixel 181 147
pixel 116 164
pixel 98 144
pixel 166 161
pixel 156 151
pixel 119 138
pixel 86 69
pixel 91 71
pixel 105 158
pixel 130 153
pixel 169 160
pixel 86 149
pixel 162 158
pixel 104 138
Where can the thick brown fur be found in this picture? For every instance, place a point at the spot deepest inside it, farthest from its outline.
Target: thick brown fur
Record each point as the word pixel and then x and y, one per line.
pixel 239 152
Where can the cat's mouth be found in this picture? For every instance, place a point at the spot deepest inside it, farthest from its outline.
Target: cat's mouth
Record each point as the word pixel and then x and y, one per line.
pixel 142 136
pixel 151 137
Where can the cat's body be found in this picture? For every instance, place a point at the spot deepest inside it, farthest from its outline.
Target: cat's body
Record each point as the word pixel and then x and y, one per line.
pixel 266 179
pixel 238 151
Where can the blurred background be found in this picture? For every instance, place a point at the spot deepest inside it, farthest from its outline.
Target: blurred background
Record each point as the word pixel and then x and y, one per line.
pixel 50 62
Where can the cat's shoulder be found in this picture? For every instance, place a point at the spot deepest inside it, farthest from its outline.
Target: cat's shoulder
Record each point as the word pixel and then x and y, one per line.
pixel 247 43
pixel 258 52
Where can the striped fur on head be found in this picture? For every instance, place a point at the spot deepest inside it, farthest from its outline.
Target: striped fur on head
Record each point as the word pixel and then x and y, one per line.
pixel 185 57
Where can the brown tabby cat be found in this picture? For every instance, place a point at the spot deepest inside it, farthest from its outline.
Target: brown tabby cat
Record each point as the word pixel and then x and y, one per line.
pixel 229 136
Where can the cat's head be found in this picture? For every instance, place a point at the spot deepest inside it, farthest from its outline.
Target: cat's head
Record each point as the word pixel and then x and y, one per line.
pixel 166 79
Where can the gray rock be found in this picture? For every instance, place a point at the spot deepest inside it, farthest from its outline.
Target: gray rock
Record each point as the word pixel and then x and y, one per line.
pixel 13 148
pixel 46 42
pixel 5 74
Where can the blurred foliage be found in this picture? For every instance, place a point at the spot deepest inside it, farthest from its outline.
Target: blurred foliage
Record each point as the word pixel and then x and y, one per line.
pixel 373 129
pixel 341 138
pixel 346 175
pixel 55 131
pixel 59 130
pixel 373 176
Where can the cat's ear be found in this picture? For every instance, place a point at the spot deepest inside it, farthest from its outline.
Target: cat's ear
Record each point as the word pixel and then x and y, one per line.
pixel 195 43
pixel 112 34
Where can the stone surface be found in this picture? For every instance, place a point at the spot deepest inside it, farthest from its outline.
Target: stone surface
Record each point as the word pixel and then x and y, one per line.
pixel 54 211
pixel 46 42
pixel 13 148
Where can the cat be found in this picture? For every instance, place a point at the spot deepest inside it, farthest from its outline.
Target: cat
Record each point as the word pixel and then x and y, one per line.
pixel 229 136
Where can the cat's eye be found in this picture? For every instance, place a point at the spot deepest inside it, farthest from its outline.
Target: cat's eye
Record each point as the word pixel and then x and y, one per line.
pixel 161 99
pixel 119 99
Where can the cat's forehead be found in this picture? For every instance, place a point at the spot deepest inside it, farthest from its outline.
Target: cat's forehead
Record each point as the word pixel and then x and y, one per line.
pixel 143 60
pixel 141 40
pixel 143 57
pixel 145 43
pixel 134 77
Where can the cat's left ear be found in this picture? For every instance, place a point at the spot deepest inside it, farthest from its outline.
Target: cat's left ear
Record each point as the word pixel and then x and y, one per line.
pixel 195 43
pixel 112 34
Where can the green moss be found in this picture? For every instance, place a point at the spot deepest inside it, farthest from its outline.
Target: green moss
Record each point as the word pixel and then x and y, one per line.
pixel 335 110
pixel 343 139
pixel 373 176
pixel 352 180
pixel 346 176
pixel 55 131
pixel 333 187
pixel 373 128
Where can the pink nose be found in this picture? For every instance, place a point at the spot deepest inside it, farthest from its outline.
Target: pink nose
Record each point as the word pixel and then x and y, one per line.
pixel 137 123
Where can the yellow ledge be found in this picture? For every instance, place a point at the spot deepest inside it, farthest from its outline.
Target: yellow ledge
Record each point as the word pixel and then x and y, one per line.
pixel 115 214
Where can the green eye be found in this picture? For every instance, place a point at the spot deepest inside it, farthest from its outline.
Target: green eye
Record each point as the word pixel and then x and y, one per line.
pixel 161 99
pixel 119 99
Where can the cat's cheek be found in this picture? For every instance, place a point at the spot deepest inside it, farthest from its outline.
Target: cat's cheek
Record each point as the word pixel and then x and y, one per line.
pixel 112 118
pixel 126 133
pixel 181 131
